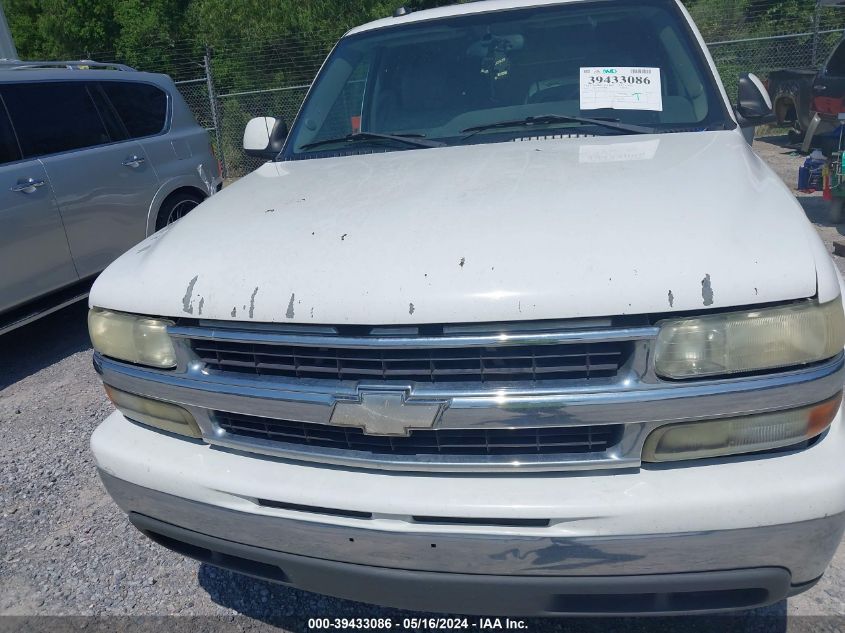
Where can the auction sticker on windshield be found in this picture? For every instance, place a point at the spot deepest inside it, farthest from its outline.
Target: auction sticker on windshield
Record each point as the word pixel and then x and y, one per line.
pixel 621 88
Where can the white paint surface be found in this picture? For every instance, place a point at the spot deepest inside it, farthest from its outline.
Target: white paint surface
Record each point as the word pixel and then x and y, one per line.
pixel 698 497
pixel 257 133
pixel 509 231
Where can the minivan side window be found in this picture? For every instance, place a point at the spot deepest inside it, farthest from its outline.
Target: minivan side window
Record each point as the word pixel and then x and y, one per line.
pixel 142 107
pixel 9 150
pixel 52 117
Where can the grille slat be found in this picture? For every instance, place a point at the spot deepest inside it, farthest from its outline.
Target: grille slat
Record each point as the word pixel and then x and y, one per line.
pixel 528 363
pixel 534 441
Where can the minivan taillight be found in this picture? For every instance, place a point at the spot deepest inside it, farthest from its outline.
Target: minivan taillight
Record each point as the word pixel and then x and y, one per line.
pixel 828 105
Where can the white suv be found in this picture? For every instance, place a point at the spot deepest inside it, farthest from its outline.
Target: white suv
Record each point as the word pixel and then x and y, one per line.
pixel 515 323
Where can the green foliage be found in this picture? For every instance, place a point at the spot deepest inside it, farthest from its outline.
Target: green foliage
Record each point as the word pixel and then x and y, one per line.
pixel 717 18
pixel 261 43
pixel 51 29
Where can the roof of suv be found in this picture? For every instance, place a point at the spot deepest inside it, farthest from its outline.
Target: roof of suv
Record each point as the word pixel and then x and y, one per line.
pixel 74 64
pixel 15 71
pixel 480 6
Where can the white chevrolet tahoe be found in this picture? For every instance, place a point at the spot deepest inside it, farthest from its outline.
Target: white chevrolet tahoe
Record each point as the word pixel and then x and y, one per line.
pixel 514 322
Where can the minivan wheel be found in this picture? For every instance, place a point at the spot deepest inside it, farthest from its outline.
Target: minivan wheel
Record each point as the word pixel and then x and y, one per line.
pixel 176 206
pixel 835 212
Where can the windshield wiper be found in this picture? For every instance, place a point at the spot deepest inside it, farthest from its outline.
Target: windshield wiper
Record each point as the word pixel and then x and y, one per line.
pixel 559 118
pixel 415 140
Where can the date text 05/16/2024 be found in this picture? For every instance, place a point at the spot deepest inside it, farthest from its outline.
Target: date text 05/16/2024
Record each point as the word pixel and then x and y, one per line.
pixel 482 624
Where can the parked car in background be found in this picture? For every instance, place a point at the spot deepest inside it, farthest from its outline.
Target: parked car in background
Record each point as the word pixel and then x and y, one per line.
pixel 828 88
pixel 93 159
pixel 799 94
pixel 516 322
pixel 791 91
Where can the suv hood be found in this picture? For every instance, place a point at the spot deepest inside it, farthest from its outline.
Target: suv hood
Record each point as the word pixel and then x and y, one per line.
pixel 541 229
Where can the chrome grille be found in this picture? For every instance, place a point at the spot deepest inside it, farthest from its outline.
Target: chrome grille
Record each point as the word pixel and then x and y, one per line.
pixel 532 363
pixel 523 441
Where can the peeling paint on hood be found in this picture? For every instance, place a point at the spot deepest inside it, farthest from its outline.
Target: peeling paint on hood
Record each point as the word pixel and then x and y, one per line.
pixel 481 233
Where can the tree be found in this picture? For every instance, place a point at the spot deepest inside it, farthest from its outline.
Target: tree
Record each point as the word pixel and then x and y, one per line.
pixel 55 29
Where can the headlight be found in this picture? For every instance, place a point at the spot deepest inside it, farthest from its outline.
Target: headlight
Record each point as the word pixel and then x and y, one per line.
pixel 737 342
pixel 135 339
pixel 733 436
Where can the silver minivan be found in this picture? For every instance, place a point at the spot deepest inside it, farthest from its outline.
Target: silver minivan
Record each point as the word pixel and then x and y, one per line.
pixel 93 159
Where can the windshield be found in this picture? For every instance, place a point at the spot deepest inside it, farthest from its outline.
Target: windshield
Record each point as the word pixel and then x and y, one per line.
pixel 587 68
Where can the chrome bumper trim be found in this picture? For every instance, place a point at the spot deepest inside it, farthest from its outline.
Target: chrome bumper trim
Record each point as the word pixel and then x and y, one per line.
pixel 640 406
pixel 419 342
pixel 804 548
pixel 668 402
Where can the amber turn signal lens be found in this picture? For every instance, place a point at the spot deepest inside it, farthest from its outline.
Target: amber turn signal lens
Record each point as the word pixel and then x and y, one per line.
pixel 735 436
pixel 821 416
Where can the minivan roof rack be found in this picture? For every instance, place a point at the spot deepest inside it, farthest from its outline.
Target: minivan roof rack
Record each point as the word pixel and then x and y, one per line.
pixel 77 64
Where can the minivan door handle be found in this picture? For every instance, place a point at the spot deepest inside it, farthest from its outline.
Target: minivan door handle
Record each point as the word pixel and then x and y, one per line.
pixel 27 186
pixel 134 161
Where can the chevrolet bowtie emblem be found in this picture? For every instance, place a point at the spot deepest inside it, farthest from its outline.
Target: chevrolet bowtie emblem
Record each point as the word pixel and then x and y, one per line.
pixel 385 413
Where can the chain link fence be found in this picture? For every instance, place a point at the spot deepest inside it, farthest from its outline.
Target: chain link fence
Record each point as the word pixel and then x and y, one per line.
pixel 196 95
pixel 763 55
pixel 228 84
pixel 760 36
pixel 238 107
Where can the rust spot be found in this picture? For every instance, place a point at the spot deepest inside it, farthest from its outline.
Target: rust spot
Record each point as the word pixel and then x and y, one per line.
pixel 707 290
pixel 187 300
pixel 252 302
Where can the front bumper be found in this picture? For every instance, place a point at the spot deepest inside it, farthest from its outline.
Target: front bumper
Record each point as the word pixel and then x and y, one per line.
pixel 467 593
pixel 708 536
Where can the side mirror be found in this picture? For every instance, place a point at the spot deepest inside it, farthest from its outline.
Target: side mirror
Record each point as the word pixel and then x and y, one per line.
pixel 264 137
pixel 754 106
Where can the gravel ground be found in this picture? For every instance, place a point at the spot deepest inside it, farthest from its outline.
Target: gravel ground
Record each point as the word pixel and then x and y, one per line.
pixel 65 549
